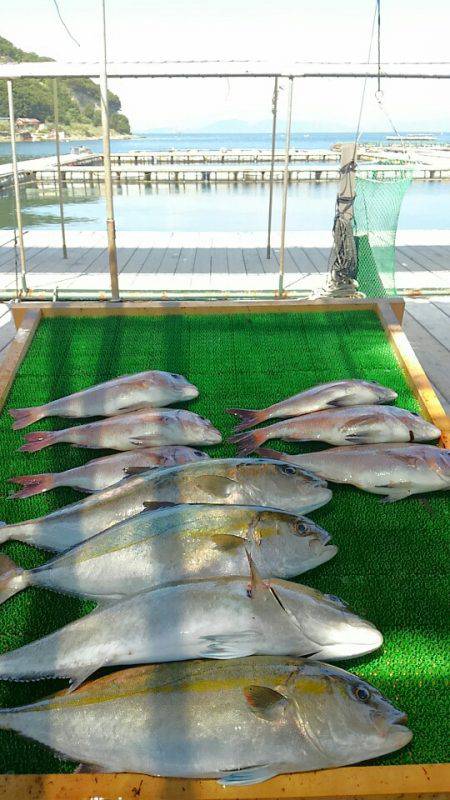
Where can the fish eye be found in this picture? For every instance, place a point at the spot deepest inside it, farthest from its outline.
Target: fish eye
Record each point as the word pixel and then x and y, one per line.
pixel 301 527
pixel 286 469
pixel 174 375
pixel 198 453
pixel 361 693
pixel 415 413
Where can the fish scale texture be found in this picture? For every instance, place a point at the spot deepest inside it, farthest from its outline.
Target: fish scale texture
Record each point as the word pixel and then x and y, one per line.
pixel 391 565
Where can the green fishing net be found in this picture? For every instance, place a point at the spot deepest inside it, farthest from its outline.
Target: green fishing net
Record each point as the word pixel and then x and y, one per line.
pixel 376 210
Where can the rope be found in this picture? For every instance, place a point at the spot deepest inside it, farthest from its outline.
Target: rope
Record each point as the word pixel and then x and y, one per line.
pixel 379 43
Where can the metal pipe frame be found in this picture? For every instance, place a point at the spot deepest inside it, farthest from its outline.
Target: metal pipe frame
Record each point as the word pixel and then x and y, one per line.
pixel 110 223
pixel 272 161
pixel 285 186
pixel 18 207
pixel 58 166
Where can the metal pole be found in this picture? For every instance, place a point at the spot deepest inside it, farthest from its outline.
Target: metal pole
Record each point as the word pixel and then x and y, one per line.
pixel 272 161
pixel 18 208
pixel 285 185
pixel 58 166
pixel 110 224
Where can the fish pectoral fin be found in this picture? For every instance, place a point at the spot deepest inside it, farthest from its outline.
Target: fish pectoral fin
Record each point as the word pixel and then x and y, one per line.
pixel 265 702
pixel 248 775
pixel 229 645
pixel 271 610
pixel 215 485
pixel 227 541
pixel 135 470
pixel 359 438
pixel 80 677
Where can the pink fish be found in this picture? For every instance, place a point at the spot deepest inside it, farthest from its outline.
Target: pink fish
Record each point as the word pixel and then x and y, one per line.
pixel 103 472
pixel 335 394
pixel 153 389
pixel 343 426
pixel 148 428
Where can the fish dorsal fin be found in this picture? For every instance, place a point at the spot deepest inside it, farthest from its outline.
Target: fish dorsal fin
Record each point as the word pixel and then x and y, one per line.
pixel 215 485
pixel 265 702
pixel 154 505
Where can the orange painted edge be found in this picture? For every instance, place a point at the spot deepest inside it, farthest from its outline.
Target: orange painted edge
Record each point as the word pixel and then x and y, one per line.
pixel 348 783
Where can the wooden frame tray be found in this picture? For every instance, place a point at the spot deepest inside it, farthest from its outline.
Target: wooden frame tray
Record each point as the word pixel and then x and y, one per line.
pixel 349 783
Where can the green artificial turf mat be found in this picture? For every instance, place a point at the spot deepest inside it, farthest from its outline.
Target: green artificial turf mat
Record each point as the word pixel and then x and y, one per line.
pixel 391 565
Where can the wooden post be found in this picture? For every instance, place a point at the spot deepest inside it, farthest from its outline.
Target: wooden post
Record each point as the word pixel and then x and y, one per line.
pixel 285 186
pixel 18 209
pixel 272 160
pixel 58 166
pixel 110 224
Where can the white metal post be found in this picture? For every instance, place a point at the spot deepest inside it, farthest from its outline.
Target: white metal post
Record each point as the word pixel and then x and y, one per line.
pixel 285 185
pixel 272 161
pixel 18 208
pixel 110 224
pixel 58 166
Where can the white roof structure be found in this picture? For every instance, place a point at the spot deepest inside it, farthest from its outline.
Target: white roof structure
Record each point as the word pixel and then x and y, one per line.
pixel 221 69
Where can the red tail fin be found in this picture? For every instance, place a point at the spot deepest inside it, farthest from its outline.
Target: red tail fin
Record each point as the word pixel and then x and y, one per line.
pixel 26 416
pixel 39 440
pixel 249 417
pixel 248 442
pixel 33 484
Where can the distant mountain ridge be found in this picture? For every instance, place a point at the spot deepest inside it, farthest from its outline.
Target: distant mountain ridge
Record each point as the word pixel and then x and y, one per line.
pixel 79 98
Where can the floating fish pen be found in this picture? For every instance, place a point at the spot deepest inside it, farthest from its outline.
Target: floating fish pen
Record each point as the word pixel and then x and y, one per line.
pixel 390 564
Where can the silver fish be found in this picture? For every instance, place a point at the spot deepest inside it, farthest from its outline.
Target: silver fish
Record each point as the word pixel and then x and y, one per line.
pixel 231 481
pixel 396 471
pixel 100 473
pixel 344 426
pixel 219 618
pixel 127 393
pixel 151 427
pixel 326 395
pixel 240 721
pixel 176 544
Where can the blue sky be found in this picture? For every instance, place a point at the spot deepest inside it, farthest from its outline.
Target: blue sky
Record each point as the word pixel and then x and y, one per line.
pixel 284 30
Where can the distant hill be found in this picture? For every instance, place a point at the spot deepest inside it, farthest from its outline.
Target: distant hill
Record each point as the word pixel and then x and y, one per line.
pixel 79 98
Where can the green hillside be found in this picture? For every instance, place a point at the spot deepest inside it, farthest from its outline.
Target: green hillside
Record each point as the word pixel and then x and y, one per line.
pixel 79 98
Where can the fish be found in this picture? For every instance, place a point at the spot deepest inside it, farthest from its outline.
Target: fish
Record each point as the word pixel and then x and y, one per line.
pixel 212 618
pixel 175 544
pixel 147 428
pixel 239 721
pixel 335 394
pixel 395 471
pixel 229 481
pixel 343 426
pixel 102 472
pixel 128 393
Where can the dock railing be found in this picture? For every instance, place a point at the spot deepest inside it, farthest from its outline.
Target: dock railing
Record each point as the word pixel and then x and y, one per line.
pixel 297 71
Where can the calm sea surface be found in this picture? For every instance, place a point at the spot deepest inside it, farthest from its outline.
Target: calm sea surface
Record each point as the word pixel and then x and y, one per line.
pixel 200 207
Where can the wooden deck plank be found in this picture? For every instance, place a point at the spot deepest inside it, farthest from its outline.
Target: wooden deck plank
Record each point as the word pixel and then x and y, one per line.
pixel 435 321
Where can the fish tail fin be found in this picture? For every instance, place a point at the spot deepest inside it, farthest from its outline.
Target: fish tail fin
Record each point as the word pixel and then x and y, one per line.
pixel 26 416
pixel 33 484
pixel 248 442
pixel 249 417
pixel 38 440
pixel 266 452
pixel 12 578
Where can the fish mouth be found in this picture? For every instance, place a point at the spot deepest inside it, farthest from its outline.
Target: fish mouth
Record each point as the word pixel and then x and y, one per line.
pixel 213 436
pixel 190 392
